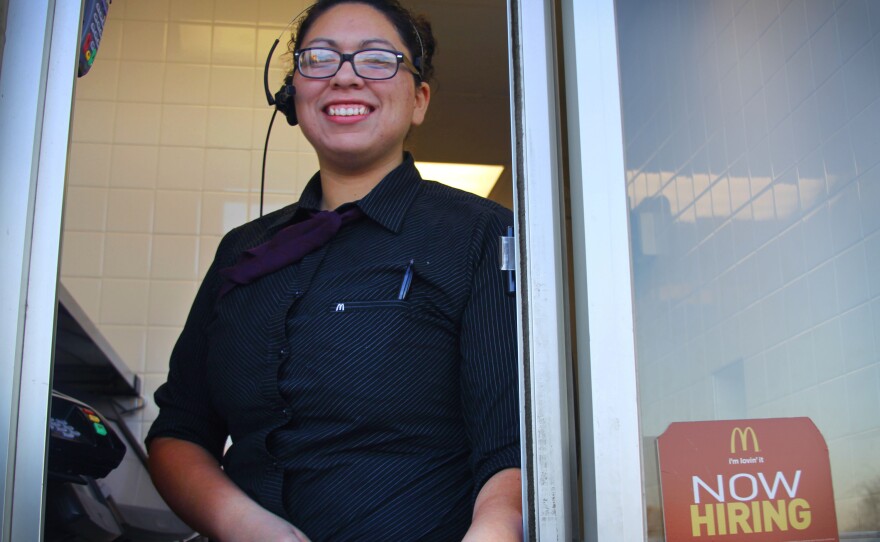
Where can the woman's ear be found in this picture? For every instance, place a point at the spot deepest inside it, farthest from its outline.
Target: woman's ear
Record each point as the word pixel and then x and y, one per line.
pixel 423 98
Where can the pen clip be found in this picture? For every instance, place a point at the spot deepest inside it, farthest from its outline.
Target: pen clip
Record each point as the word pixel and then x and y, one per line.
pixel 507 260
pixel 407 281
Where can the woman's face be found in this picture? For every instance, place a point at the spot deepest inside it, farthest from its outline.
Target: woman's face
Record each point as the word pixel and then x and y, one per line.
pixel 384 110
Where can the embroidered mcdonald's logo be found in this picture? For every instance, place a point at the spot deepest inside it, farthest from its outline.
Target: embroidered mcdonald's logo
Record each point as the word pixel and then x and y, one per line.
pixel 743 442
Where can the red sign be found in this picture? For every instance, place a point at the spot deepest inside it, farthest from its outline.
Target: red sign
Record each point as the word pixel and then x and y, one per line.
pixel 762 480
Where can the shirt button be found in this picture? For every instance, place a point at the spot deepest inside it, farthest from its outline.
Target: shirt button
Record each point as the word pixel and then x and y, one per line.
pixel 283 352
pixel 297 293
pixel 286 412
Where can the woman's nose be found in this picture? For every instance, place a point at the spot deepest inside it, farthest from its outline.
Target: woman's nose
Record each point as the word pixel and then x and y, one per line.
pixel 346 76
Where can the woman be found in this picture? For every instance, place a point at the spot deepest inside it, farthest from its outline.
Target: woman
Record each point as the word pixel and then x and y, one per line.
pixel 358 346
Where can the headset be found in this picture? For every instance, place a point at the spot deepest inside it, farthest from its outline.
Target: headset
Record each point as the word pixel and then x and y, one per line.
pixel 283 100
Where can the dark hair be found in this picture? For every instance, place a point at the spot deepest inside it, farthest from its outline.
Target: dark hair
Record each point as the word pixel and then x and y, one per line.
pixel 414 30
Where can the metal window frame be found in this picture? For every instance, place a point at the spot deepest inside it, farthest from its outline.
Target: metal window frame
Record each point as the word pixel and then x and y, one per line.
pixel 546 393
pixel 613 490
pixel 611 499
pixel 36 99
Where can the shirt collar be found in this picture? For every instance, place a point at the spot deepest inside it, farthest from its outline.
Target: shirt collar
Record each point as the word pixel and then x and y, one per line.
pixel 386 203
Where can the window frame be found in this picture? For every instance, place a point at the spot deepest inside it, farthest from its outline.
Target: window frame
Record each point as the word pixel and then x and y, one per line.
pixel 567 115
pixel 36 101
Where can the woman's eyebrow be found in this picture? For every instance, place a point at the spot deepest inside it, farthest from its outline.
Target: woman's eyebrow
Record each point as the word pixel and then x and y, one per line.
pixel 364 43
pixel 323 41
pixel 376 41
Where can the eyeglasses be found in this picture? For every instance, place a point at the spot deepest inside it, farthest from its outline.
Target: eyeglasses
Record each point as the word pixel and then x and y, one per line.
pixel 374 64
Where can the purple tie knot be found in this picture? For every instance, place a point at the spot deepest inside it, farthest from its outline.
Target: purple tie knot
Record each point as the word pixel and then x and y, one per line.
pixel 290 245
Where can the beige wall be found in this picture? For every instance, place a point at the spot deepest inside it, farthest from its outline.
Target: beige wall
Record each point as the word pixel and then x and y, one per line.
pixel 168 133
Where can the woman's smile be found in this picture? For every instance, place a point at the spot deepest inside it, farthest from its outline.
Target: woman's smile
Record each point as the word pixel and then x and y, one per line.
pixel 348 110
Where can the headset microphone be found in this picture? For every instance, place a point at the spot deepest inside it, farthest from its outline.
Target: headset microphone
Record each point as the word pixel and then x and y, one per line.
pixel 283 99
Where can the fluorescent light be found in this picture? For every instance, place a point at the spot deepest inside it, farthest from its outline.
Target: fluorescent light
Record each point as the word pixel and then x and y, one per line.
pixel 478 179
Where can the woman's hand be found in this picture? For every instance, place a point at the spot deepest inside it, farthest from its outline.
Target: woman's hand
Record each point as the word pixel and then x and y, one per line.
pixel 192 483
pixel 498 510
pixel 261 526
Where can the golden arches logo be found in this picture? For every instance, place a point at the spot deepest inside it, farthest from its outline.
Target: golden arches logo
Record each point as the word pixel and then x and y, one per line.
pixel 743 435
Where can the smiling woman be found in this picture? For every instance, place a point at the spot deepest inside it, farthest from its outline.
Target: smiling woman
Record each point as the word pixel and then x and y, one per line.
pixel 354 148
pixel 359 346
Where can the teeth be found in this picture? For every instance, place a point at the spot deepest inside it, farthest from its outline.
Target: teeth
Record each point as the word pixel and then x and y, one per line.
pixel 347 111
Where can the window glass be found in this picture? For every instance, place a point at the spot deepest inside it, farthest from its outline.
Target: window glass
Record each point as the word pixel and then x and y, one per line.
pixel 752 141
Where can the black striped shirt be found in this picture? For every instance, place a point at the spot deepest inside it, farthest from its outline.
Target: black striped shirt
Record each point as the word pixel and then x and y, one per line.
pixel 354 414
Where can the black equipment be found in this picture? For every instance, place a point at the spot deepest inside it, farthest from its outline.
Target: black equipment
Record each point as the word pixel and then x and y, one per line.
pixel 95 491
pixel 97 487
pixel 94 16
pixel 81 441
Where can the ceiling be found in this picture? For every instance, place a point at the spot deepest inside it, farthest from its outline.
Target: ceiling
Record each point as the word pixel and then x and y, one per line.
pixel 469 116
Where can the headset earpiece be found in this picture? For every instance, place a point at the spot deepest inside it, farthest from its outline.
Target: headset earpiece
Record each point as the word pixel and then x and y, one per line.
pixel 284 100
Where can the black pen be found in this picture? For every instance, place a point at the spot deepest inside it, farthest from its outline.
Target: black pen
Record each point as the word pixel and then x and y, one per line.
pixel 407 280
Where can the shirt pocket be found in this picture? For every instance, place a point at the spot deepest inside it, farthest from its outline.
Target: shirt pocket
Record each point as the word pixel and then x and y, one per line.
pixel 370 305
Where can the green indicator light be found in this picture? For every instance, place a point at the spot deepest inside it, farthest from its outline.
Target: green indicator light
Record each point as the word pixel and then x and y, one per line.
pixel 100 429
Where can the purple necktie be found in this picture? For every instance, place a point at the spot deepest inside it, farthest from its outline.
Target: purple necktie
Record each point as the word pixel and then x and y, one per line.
pixel 287 246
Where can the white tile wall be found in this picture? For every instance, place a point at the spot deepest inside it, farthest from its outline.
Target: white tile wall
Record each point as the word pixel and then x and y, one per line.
pixel 127 255
pixel 90 164
pixel 184 125
pixel 160 341
pixel 157 10
pixel 185 84
pixel 181 168
pixel 85 209
pixel 229 128
pixel 170 301
pixel 102 82
pixel 234 11
pixel 133 166
pixel 207 248
pixel 137 123
pixel 168 132
pixel 233 86
pixel 234 45
pixel 228 170
pixel 142 40
pixel 175 257
pixel 83 253
pixel 189 42
pixel 140 82
pixel 221 212
pixel 130 210
pixel 177 211
pixel 93 120
pixel 193 10
pixel 124 301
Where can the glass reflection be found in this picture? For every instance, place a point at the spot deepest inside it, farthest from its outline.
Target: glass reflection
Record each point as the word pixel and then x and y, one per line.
pixel 752 154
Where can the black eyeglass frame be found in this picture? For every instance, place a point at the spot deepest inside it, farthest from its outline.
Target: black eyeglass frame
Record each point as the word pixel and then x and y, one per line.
pixel 349 57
